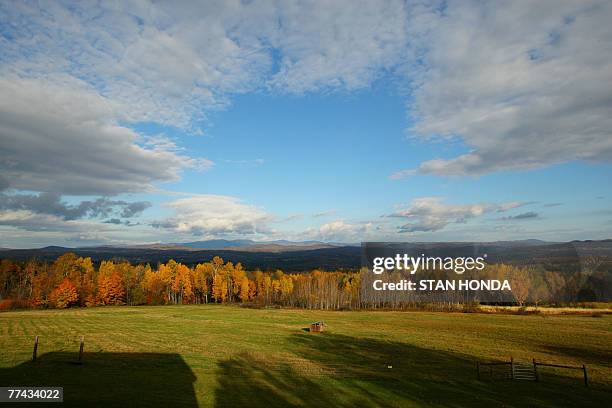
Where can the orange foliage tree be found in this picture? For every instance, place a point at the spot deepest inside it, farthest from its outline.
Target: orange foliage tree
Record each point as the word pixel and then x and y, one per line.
pixel 110 289
pixel 64 295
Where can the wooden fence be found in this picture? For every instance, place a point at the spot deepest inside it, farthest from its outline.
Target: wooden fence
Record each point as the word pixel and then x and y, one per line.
pixel 521 371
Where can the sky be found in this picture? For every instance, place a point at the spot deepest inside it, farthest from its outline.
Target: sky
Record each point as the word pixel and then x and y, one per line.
pixel 142 122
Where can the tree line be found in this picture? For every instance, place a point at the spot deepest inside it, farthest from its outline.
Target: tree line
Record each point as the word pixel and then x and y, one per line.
pixel 75 281
pixel 72 281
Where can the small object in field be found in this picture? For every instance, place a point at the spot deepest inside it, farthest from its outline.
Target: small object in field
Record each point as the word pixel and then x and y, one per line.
pixel 317 327
pixel 389 366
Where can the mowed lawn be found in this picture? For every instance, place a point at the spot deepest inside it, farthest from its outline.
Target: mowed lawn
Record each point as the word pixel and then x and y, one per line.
pixel 226 356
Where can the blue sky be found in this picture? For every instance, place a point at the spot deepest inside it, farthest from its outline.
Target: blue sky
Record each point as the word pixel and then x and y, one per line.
pixel 382 121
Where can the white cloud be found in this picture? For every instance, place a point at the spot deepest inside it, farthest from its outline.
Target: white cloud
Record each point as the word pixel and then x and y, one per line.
pixel 327 213
pixel 525 85
pixel 430 214
pixel 343 231
pixel 293 217
pixel 171 63
pixel 31 221
pixel 398 175
pixel 213 215
pixel 27 229
pixel 510 205
pixel 340 44
pixel 66 139
pixel 160 62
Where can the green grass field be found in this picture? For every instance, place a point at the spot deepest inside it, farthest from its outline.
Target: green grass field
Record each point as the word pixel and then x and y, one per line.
pixel 226 356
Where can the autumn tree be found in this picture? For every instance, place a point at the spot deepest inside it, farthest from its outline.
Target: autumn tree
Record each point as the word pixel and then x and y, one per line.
pixel 219 288
pixel 183 284
pixel 110 288
pixel 84 276
pixel 555 282
pixel 132 281
pixel 65 266
pixel 166 275
pixel 520 281
pixel 64 295
pixel 154 287
pixel 245 293
pixel 237 275
pixel 203 275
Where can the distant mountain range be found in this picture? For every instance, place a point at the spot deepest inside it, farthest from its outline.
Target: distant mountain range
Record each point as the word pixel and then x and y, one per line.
pixel 244 245
pixel 308 255
pixel 287 246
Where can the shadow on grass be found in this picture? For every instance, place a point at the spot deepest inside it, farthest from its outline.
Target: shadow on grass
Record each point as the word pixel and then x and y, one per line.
pixel 109 379
pixel 588 356
pixel 342 371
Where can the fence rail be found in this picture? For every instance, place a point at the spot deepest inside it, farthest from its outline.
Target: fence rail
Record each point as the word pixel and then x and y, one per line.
pixel 523 371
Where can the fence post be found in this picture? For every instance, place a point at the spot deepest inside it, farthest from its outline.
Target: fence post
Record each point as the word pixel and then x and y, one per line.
pixel 35 349
pixel 511 367
pixel 478 370
pixel 535 370
pixel 81 350
pixel 586 378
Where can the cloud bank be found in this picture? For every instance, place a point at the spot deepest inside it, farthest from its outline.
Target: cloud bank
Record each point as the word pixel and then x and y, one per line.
pixel 214 215
pixel 51 204
pixel 523 87
pixel 66 139
pixel 429 214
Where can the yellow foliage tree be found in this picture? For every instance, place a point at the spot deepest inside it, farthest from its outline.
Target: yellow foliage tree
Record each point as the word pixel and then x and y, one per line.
pixel 245 289
pixel 219 288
